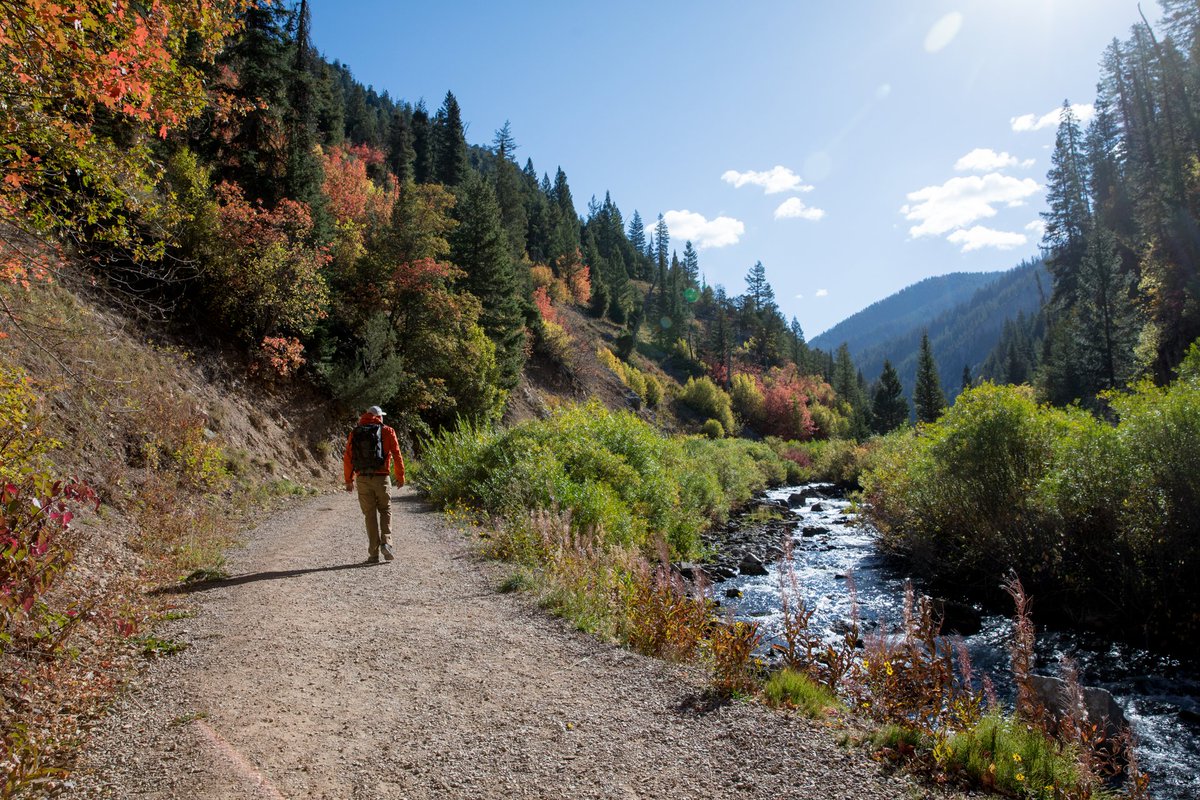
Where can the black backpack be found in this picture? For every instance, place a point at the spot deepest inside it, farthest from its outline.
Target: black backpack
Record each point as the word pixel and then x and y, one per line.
pixel 366 449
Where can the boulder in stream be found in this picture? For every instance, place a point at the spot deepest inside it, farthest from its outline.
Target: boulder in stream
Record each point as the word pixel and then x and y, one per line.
pixel 1099 706
pixel 960 618
pixel 752 565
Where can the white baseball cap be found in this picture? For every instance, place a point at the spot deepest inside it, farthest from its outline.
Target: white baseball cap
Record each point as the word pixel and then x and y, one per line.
pixel 376 410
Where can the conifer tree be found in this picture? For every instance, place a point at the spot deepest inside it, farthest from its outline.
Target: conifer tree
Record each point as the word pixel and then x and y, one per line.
pixel 424 146
pixel 564 241
pixel 928 397
pixel 480 249
pixel 507 183
pixel 450 166
pixel 888 406
pixel 691 264
pixel 1069 214
pixel 304 175
pixel 967 380
pixel 400 147
pixel 848 384
pixel 1108 320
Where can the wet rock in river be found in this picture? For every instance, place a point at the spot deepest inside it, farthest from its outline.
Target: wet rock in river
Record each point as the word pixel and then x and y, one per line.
pixel 752 565
pixel 796 499
pixel 814 530
pixel 960 618
pixel 1099 706
pixel 817 508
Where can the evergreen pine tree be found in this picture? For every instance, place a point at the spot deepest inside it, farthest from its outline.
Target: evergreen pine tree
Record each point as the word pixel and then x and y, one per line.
pixel 967 380
pixel 507 183
pixel 1108 321
pixel 400 147
pixel 304 176
pixel 450 166
pixel 1069 216
pixel 928 397
pixel 478 246
pixel 888 406
pixel 424 145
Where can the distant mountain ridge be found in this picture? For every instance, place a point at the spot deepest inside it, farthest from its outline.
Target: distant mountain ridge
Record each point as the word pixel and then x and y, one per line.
pixel 963 312
pixel 896 314
pixel 963 335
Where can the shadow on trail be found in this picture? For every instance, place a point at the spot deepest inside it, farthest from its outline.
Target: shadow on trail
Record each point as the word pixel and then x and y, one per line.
pixel 253 577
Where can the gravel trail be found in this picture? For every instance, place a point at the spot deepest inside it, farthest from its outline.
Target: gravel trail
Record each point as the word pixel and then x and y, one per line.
pixel 310 674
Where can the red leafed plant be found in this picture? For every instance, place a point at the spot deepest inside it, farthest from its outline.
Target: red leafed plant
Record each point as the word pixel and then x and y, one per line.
pixel 541 299
pixel 281 356
pixel 32 550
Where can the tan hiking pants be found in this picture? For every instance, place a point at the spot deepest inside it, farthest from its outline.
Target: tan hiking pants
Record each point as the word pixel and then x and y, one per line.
pixel 376 505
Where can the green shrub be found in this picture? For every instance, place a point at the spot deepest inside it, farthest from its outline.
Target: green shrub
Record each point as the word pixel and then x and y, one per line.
pixel 1007 755
pixel 1102 514
pixel 958 491
pixel 795 689
pixel 654 390
pixel 713 429
pixel 710 401
pixel 611 470
pixel 747 401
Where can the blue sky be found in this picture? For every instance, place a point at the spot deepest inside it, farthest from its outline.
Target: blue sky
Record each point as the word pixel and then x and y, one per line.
pixel 853 147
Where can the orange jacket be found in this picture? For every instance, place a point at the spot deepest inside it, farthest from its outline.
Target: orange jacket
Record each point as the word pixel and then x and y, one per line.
pixel 391 451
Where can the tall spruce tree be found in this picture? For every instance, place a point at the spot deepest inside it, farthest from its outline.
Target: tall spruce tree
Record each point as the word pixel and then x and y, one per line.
pixel 928 397
pixel 450 165
pixel 507 183
pixel 1108 320
pixel 888 406
pixel 304 176
pixel 424 145
pixel 479 247
pixel 1069 214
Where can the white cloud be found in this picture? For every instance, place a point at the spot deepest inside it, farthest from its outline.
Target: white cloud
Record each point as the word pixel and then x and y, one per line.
pixel 943 32
pixel 822 292
pixel 704 233
pixel 984 159
pixel 794 208
pixel 1027 163
pixel 1037 228
pixel 799 297
pixel 1032 122
pixel 775 180
pixel 979 237
pixel 960 201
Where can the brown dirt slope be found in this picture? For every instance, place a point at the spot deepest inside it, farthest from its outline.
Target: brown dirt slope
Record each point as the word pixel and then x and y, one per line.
pixel 311 675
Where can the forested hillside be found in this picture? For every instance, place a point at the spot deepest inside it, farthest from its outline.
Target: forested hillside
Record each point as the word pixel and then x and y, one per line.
pixel 895 315
pixel 964 335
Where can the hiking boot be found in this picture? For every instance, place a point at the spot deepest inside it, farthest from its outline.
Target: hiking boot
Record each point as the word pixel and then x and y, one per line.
pixel 372 560
pixel 386 549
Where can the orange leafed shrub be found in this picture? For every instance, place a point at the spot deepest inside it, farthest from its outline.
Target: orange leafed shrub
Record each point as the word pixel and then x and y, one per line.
pixel 581 286
pixel 545 307
pixel 353 197
pixel 280 355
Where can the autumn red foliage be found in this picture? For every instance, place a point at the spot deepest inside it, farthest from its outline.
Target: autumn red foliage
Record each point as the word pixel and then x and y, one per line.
pixel 61 65
pixel 353 196
pixel 545 307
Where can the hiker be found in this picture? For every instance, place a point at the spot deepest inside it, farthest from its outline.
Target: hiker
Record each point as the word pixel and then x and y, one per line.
pixel 370 448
